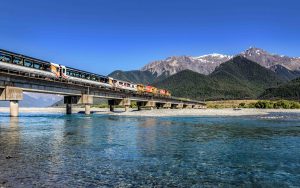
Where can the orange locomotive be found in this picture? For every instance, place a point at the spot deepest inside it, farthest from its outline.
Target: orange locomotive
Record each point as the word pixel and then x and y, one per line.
pixel 152 90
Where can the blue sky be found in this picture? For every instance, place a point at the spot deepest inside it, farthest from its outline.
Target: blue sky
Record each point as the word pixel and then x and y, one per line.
pixel 106 35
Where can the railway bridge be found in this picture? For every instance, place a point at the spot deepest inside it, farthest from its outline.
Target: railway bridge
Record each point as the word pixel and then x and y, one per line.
pixel 13 84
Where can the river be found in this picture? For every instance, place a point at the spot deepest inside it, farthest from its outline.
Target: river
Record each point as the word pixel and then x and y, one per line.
pixel 52 150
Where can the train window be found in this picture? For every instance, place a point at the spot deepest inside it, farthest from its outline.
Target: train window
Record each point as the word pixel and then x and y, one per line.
pixel 68 72
pixel 28 63
pixel 36 66
pixel 47 67
pixel 82 75
pixel 5 58
pixel 104 80
pixel 17 61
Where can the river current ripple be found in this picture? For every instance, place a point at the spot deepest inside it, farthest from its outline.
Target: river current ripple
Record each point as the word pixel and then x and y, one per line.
pixel 54 150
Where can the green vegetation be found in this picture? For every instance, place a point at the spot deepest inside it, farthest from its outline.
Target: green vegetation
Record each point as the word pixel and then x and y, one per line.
pixel 290 90
pixel 229 103
pixel 285 104
pixel 238 78
pixel 263 104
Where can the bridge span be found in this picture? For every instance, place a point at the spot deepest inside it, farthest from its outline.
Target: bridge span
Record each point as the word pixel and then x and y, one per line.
pixel 13 84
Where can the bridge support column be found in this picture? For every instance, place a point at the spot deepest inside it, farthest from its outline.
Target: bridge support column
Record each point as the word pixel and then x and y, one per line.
pixel 14 108
pixel 87 100
pixel 69 100
pixel 111 108
pixel 167 105
pixel 187 106
pixel 87 109
pixel 148 104
pixel 68 109
pixel 14 95
pixel 139 107
pixel 119 102
pixel 177 106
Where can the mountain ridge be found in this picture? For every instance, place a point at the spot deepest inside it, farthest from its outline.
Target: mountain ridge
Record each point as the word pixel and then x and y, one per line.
pixel 285 67
pixel 206 64
pixel 238 78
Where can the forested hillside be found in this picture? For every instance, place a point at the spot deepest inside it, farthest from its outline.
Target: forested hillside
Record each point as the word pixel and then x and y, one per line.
pixel 238 78
pixel 290 90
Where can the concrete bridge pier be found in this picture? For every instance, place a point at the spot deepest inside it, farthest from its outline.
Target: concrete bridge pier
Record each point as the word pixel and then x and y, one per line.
pixel 68 109
pixel 177 106
pixel 87 100
pixel 14 95
pixel 127 108
pixel 111 108
pixel 119 102
pixel 87 109
pixel 187 106
pixel 146 104
pixel 14 108
pixel 69 100
pixel 139 107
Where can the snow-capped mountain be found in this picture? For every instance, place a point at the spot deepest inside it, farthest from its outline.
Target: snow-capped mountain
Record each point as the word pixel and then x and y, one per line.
pixel 205 64
pixel 268 60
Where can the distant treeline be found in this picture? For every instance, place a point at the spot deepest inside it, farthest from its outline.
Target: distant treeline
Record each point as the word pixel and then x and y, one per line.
pixel 265 104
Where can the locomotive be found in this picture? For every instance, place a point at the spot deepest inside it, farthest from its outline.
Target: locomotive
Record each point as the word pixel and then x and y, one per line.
pixel 32 66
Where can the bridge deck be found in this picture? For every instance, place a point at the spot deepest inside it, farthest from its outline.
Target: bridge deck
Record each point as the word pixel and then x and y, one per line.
pixel 31 83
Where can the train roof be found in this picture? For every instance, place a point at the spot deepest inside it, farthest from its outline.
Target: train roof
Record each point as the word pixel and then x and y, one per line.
pixel 86 72
pixel 24 56
pixel 47 62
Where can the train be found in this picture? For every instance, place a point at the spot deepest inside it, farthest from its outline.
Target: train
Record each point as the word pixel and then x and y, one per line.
pixel 43 69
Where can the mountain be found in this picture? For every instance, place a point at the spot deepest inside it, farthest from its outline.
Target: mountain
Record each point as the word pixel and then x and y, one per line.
pixel 35 100
pixel 136 76
pixel 203 64
pixel 206 64
pixel 237 78
pixel 285 73
pixel 268 60
pixel 290 90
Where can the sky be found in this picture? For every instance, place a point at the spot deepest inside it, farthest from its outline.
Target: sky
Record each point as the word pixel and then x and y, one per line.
pixel 101 36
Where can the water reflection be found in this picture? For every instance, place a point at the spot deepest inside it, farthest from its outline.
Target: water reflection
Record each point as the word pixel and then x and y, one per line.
pixel 78 150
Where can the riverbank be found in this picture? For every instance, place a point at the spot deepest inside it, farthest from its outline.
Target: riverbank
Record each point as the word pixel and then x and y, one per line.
pixel 162 112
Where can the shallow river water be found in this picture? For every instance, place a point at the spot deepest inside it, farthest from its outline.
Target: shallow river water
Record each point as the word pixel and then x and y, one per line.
pixel 113 151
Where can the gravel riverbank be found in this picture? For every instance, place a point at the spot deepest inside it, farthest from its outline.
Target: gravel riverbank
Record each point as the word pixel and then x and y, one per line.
pixel 161 112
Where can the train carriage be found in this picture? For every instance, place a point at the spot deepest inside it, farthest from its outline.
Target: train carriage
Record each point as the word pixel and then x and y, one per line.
pixel 18 63
pixel 124 85
pixel 24 64
pixel 79 76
